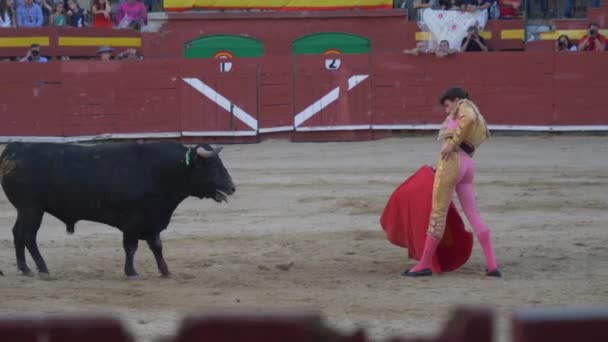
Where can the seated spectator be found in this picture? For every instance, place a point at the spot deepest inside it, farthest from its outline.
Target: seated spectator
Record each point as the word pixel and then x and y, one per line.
pixel 478 5
pixel 29 14
pixel 563 43
pixel 473 42
pixel 33 55
pixel 58 17
pixel 509 8
pixel 102 13
pixel 444 49
pixel 132 14
pixel 7 15
pixel 593 40
pixel 105 53
pixel 76 15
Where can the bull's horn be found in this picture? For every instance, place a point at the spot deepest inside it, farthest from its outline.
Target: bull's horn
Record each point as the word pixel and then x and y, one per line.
pixel 218 149
pixel 204 153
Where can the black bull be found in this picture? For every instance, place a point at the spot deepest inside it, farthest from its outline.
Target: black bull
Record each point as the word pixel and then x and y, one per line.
pixel 134 187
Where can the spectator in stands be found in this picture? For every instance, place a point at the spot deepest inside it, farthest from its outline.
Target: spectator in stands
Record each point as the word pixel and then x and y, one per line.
pixel 452 5
pixel 102 13
pixel 473 42
pixel 593 40
pixel 563 43
pixel 29 14
pixel 129 54
pixel 58 17
pixel 47 10
pixel 420 48
pixel 419 5
pixel 478 5
pixel 7 15
pixel 105 53
pixel 444 49
pixel 132 14
pixel 570 6
pixel 76 15
pixel 509 8
pixel 33 55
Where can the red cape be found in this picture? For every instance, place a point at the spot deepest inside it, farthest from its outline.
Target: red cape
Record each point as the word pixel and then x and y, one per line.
pixel 405 221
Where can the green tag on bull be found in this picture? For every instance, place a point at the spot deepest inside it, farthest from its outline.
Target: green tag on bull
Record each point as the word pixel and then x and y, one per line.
pixel 188 157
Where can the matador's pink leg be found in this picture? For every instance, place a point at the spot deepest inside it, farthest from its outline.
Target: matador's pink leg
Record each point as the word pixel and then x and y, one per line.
pixel 466 195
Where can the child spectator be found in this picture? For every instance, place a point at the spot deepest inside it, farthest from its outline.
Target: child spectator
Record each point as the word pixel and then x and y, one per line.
pixel 132 14
pixel 444 49
pixel 102 13
pixel 76 15
pixel 563 43
pixel 58 17
pixel 29 14
pixel 7 15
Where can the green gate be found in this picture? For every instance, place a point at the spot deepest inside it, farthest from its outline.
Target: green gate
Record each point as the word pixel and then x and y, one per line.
pixel 331 42
pixel 218 46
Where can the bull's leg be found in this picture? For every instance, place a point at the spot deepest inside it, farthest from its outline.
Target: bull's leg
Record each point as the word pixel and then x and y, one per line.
pixel 19 242
pixel 130 245
pixel 29 224
pixel 156 246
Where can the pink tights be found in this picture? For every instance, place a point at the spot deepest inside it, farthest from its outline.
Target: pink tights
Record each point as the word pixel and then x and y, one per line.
pixel 466 195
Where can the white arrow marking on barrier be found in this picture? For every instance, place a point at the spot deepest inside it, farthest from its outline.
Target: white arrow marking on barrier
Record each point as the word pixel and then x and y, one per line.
pixel 326 100
pixel 223 102
pixel 353 81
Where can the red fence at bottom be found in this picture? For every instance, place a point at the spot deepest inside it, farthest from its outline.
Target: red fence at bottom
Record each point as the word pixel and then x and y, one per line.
pixel 466 324
pixel 305 97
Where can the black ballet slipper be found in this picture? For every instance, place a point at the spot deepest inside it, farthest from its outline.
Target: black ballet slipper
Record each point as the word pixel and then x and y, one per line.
pixel 422 273
pixel 494 273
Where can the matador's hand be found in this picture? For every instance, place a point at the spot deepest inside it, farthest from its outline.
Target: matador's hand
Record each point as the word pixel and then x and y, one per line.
pixel 447 150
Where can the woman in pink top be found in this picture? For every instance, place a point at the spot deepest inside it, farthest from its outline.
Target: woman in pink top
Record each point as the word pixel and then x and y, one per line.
pixel 132 13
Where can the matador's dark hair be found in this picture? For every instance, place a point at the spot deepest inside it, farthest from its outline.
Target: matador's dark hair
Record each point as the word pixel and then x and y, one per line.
pixel 452 94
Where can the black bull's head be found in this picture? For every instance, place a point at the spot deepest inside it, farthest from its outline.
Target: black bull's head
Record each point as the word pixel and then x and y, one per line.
pixel 210 178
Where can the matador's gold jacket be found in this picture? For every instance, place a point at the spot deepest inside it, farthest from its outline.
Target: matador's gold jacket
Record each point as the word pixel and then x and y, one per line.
pixel 464 124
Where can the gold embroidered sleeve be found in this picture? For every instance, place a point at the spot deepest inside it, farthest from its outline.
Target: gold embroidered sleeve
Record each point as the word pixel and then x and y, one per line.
pixel 467 117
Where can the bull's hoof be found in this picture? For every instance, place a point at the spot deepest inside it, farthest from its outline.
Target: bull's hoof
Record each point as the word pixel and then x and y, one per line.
pixel 133 277
pixel 167 276
pixel 44 276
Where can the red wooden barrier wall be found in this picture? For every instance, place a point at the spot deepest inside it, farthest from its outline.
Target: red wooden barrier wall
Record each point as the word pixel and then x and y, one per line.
pixel 242 98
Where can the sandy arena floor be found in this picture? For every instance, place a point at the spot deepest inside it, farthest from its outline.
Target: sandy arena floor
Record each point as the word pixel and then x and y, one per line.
pixel 302 230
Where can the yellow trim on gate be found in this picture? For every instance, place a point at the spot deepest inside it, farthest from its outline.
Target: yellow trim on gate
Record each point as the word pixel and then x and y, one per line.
pixel 99 41
pixel 426 35
pixel 7 42
pixel 572 34
pixel 512 34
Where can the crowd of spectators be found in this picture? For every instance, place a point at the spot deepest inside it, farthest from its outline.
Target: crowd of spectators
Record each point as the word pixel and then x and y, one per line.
pixel 60 13
pixel 503 9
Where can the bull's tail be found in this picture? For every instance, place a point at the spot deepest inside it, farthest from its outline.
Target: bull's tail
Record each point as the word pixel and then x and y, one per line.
pixel 70 228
